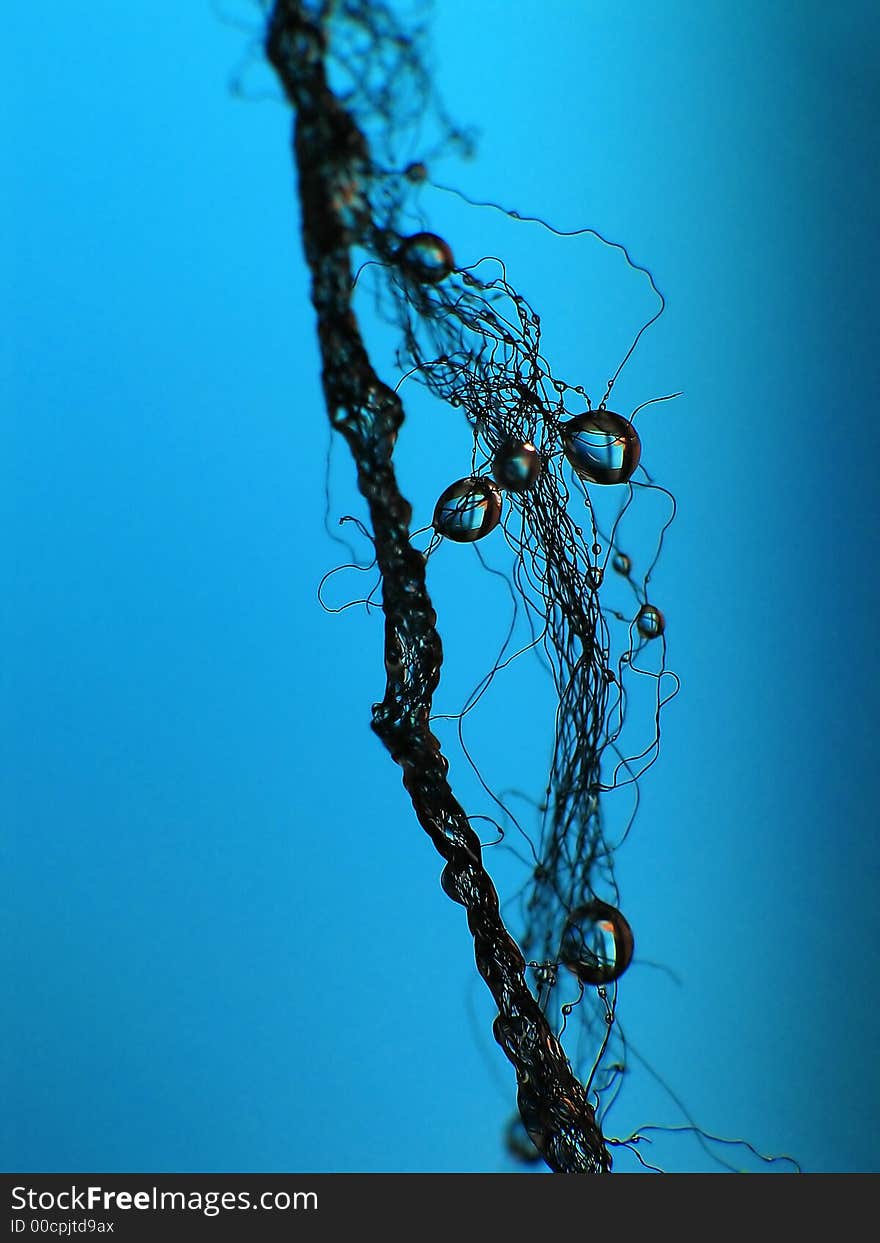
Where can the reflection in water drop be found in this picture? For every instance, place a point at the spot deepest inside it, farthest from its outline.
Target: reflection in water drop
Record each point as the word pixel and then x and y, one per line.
pixel 517 465
pixel 650 621
pixel 468 510
pixel 601 446
pixel 425 257
pixel 622 563
pixel 597 944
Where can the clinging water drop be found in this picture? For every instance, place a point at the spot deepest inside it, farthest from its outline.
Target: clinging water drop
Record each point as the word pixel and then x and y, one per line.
pixel 601 447
pixel 426 258
pixel 650 622
pixel 597 944
pixel 468 510
pixel 517 465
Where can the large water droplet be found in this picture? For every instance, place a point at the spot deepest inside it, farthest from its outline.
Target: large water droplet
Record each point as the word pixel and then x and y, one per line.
pixel 425 257
pixel 517 465
pixel 650 622
pixel 468 510
pixel 597 944
pixel 601 446
pixel 622 563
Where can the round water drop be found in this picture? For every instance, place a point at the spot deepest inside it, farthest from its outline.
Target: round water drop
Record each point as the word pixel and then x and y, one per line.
pixel 425 257
pixel 601 446
pixel 622 563
pixel 416 172
pixel 519 1143
pixel 517 465
pixel 597 944
pixel 650 622
pixel 468 510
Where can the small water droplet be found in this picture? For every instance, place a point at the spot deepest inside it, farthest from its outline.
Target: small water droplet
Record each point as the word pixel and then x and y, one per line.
pixel 518 1142
pixel 650 622
pixel 622 563
pixel 517 465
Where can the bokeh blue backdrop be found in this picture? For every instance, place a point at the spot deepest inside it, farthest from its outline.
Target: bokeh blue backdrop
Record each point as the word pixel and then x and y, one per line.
pixel 224 943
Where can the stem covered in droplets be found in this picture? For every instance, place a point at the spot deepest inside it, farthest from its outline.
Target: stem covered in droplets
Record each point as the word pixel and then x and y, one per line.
pixel 331 152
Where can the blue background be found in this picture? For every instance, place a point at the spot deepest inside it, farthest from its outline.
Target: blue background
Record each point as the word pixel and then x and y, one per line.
pixel 224 943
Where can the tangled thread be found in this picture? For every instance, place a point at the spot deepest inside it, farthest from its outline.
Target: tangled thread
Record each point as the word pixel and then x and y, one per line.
pixel 541 453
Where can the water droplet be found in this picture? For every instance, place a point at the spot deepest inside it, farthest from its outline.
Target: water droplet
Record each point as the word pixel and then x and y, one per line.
pixel 597 944
pixel 425 257
pixel 415 172
pixel 518 1143
pixel 468 510
pixel 517 465
pixel 601 446
pixel 622 563
pixel 454 885
pixel 650 621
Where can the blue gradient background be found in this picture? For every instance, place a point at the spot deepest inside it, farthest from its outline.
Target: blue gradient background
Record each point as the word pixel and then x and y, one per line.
pixel 224 943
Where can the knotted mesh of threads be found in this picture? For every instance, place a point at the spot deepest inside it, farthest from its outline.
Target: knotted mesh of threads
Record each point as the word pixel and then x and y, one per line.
pixel 335 168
